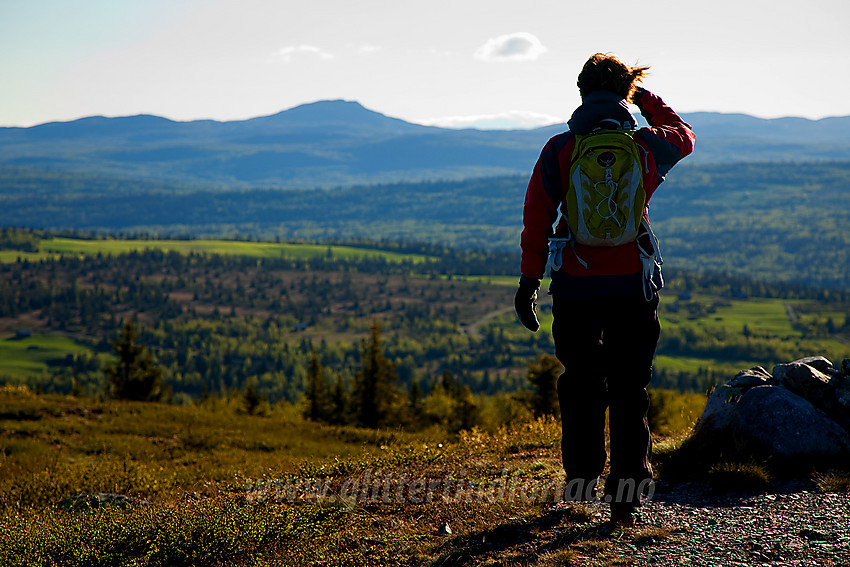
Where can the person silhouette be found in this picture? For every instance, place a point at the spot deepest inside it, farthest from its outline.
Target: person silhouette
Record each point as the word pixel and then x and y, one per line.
pixel 604 296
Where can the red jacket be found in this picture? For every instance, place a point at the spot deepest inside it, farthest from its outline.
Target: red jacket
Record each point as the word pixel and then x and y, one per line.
pixel 667 140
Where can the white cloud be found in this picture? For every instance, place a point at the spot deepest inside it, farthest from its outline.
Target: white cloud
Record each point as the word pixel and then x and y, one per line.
pixel 287 53
pixel 519 46
pixel 510 120
pixel 368 49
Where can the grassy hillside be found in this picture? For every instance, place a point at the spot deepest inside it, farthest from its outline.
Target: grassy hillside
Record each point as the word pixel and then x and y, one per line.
pixel 89 483
pixel 118 483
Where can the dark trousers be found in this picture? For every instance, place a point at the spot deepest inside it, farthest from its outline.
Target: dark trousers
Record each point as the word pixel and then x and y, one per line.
pixel 606 346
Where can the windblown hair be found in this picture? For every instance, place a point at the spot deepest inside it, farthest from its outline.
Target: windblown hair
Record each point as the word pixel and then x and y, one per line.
pixel 607 73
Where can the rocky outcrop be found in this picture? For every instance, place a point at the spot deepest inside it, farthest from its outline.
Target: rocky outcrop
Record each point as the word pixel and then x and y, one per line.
pixel 799 412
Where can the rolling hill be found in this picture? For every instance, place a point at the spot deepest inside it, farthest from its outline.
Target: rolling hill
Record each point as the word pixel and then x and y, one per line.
pixel 341 143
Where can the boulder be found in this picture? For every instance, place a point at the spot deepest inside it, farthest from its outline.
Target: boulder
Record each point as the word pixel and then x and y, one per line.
pixel 751 378
pixel 842 394
pixel 772 422
pixel 798 414
pixel 806 381
pixel 718 413
pixel 820 363
pixel 720 406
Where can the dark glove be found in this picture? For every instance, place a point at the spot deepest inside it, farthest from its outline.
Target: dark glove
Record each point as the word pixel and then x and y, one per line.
pixel 525 301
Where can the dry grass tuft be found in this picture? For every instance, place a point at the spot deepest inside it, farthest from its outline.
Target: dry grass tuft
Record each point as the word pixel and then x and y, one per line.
pixel 643 536
pixel 727 477
pixel 833 481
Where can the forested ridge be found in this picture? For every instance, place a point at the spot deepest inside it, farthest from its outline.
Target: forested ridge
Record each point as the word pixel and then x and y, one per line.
pixel 774 221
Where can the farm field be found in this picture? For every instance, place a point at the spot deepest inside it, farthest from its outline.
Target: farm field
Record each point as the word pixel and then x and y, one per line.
pixel 30 356
pixel 789 325
pixel 56 246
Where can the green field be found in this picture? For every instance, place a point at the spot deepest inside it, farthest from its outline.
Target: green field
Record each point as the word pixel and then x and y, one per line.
pixel 693 365
pixel 765 324
pixel 759 315
pixel 29 357
pixel 52 247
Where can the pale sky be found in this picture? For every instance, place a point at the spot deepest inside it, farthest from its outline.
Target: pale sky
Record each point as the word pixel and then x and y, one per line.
pixel 446 62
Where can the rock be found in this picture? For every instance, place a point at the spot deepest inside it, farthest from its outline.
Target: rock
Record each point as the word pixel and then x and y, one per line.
pixel 806 381
pixel 842 394
pixel 100 500
pixel 751 378
pixel 841 409
pixel 718 410
pixel 773 422
pixel 817 362
pixel 721 404
pixel 834 373
pixel 798 414
pixel 719 415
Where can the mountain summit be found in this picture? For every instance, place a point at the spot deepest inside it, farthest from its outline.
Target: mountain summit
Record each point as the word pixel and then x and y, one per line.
pixel 350 117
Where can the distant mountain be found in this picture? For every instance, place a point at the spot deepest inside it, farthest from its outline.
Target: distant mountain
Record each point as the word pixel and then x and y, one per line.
pixel 338 143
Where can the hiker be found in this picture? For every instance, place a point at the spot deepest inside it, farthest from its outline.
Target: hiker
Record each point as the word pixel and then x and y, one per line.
pixel 585 217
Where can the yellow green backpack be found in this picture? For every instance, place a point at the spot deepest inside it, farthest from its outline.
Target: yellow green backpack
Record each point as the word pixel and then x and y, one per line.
pixel 605 199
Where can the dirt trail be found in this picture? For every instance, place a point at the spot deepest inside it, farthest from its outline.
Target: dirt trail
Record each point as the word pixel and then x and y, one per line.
pixel 473 328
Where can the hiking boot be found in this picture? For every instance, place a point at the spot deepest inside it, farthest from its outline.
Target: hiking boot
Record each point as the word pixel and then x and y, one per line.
pixel 623 514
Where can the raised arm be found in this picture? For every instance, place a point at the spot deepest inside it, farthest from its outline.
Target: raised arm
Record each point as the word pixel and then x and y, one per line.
pixel 668 137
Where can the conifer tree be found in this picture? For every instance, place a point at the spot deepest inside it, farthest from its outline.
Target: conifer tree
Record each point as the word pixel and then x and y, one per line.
pixel 414 398
pixel 134 376
pixel 543 375
pixel 317 391
pixel 376 396
pixel 339 403
pixel 251 398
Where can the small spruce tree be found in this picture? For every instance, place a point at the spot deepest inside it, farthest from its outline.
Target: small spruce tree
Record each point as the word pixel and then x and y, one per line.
pixel 135 376
pixel 251 398
pixel 339 403
pixel 543 375
pixel 376 396
pixel 317 395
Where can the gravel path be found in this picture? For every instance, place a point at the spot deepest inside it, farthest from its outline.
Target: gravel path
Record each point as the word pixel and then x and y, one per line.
pixel 687 525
